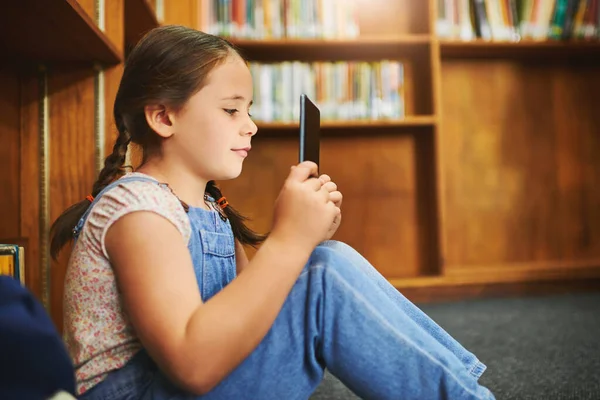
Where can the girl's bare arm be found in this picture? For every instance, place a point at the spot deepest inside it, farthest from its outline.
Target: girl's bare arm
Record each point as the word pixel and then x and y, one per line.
pixel 196 344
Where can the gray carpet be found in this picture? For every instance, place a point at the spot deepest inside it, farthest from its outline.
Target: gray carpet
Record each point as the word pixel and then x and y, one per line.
pixel 542 348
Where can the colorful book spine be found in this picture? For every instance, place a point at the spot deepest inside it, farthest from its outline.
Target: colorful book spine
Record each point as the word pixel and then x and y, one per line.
pixel 276 19
pixel 12 261
pixel 343 90
pixel 514 20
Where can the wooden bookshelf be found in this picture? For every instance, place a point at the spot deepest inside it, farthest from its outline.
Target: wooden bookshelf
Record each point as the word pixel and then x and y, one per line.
pixel 461 117
pixel 374 47
pixel 408 122
pixel 490 182
pixel 388 154
pixel 518 129
pixel 522 49
pixel 53 32
pixel 355 43
pixel 140 18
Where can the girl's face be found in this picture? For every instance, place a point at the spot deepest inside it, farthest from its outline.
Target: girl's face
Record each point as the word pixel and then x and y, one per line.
pixel 213 131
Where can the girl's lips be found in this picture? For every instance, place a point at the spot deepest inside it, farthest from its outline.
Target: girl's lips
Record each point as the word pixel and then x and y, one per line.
pixel 242 152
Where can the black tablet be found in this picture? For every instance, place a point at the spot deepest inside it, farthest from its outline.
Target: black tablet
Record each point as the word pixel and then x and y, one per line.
pixel 310 126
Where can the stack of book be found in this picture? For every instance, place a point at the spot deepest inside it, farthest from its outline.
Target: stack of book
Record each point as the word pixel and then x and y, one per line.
pixel 277 19
pixel 12 261
pixel 512 20
pixel 343 90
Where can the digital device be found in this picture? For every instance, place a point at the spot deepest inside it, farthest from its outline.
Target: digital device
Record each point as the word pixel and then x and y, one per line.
pixel 310 126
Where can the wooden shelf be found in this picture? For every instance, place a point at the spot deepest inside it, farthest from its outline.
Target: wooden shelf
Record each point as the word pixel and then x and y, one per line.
pixel 549 48
pixel 54 32
pixel 412 121
pixel 478 285
pixel 365 47
pixel 139 19
pixel 418 39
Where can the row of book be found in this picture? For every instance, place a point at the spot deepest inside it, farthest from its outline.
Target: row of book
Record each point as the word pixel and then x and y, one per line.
pixel 342 90
pixel 264 19
pixel 12 261
pixel 513 20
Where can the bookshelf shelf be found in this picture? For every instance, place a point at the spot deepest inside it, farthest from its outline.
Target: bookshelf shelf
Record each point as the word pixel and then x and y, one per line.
pixel 365 47
pixel 415 39
pixel 412 121
pixel 139 19
pixel 523 49
pixel 53 31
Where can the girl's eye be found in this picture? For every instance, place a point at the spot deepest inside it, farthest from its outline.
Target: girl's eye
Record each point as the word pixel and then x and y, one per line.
pixel 230 111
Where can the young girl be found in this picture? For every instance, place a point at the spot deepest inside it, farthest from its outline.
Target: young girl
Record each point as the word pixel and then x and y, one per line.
pixel 162 303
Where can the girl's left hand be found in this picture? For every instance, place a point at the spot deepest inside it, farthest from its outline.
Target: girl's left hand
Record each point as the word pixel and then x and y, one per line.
pixel 335 196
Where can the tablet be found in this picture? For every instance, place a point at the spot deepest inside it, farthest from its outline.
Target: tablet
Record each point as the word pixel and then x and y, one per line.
pixel 310 126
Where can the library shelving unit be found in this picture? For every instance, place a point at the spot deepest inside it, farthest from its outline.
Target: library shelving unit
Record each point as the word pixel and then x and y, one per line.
pixel 386 168
pixel 484 186
pixel 62 61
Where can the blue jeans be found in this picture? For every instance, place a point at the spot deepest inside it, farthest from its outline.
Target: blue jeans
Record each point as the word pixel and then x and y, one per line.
pixel 341 314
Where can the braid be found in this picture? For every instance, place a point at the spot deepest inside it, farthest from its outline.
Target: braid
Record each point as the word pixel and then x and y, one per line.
pixel 61 230
pixel 241 232
pixel 114 162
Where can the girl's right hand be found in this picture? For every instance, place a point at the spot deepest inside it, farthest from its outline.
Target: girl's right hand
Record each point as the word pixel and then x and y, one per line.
pixel 303 212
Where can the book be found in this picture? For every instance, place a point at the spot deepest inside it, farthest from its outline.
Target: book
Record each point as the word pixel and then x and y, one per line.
pixel 12 261
pixel 513 20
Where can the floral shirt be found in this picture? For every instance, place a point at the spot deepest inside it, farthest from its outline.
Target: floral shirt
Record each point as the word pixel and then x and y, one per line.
pixel 97 332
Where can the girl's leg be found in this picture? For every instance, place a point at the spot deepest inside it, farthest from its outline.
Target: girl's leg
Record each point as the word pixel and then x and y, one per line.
pixel 343 315
pixel 355 258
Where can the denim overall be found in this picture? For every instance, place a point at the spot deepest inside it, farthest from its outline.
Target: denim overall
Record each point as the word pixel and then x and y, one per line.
pixel 341 314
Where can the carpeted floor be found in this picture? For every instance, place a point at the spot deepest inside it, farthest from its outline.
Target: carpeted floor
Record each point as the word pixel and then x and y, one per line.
pixel 542 348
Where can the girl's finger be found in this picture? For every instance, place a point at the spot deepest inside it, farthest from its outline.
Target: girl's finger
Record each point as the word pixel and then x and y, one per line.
pixel 330 186
pixel 325 178
pixel 336 197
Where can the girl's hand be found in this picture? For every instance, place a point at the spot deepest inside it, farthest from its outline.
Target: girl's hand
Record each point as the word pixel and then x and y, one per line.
pixel 335 196
pixel 304 212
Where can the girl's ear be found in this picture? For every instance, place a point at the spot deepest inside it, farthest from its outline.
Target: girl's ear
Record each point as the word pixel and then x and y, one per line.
pixel 159 120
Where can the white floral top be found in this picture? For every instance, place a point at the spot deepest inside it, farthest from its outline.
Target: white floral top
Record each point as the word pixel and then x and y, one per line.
pixel 97 332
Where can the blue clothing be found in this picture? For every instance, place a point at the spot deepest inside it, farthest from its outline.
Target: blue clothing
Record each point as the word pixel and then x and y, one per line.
pixel 341 314
pixel 35 363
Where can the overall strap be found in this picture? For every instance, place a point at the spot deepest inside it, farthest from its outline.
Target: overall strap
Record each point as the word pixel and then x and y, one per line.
pixel 79 227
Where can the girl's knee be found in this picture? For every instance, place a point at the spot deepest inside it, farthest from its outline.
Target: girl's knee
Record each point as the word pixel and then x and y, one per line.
pixel 337 246
pixel 344 251
pixel 322 257
pixel 330 254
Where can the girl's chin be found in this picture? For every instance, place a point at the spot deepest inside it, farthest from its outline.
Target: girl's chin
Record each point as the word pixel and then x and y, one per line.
pixel 230 174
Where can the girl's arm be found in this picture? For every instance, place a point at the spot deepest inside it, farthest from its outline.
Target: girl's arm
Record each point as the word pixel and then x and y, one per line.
pixel 196 344
pixel 241 258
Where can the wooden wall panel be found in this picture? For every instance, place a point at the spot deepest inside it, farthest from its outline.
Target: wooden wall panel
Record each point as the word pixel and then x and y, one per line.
pixel 521 169
pixel 114 27
pixel 181 12
pixel 9 154
pixel 112 76
pixel 377 174
pixel 72 168
pixel 30 180
pixel 89 6
pixel 112 79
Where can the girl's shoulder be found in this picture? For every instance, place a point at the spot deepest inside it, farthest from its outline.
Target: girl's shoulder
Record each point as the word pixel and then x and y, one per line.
pixel 135 192
pixel 140 190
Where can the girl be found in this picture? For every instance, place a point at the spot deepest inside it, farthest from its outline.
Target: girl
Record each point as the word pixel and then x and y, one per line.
pixel 160 299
